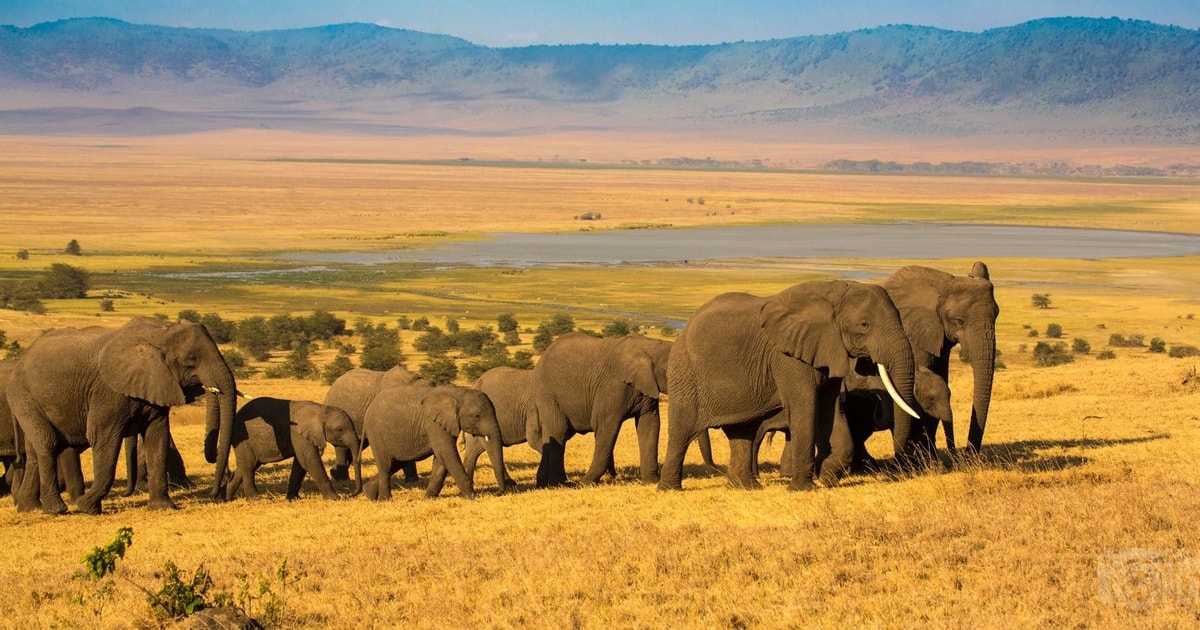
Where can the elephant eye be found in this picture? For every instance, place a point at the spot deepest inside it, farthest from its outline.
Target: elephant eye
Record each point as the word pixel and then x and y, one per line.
pixel 957 321
pixel 864 326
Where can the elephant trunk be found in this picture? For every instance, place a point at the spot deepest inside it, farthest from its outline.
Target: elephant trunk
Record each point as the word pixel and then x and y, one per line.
pixel 131 464
pixel 222 405
pixel 982 352
pixel 356 458
pixel 896 366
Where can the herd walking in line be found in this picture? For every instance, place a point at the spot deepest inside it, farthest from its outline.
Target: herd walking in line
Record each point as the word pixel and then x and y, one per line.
pixel 827 363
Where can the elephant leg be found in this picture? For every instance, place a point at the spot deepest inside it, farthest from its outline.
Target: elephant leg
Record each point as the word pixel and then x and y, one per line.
pixel 155 444
pixel 250 487
pixel 841 448
pixel 948 429
pixel 445 449
pixel 105 449
pixel 234 485
pixel 741 436
pixel 340 471
pixel 552 467
pixel 309 460
pixel 176 470
pixel 131 465
pixel 385 468
pixel 437 479
pixel 705 441
pixel 410 471
pixel 602 454
pixel 39 487
pixel 648 425
pixel 70 472
pixel 295 478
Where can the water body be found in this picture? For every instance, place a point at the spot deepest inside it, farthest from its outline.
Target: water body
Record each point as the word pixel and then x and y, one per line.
pixel 673 246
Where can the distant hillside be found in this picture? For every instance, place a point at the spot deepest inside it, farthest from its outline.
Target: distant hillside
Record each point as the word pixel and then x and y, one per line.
pixel 1093 77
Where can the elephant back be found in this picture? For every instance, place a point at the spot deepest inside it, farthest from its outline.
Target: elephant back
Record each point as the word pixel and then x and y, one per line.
pixel 511 392
pixel 392 423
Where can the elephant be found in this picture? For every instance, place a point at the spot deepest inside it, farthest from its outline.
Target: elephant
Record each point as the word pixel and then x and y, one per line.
pixel 267 430
pixel 867 407
pixel 940 310
pixel 135 466
pixel 410 423
pixel 511 391
pixel 742 359
pixel 84 388
pixel 583 384
pixel 353 392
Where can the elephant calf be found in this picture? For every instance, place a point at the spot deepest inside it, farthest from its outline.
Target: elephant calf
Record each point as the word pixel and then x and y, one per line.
pixel 408 424
pixel 270 430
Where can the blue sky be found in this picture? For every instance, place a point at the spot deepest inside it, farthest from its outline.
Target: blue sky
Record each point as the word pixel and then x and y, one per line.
pixel 674 22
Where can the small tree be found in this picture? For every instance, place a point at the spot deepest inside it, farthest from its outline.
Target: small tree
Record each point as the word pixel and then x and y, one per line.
pixel 106 305
pixel 451 325
pixel 1054 331
pixel 189 315
pixel 64 281
pixel 1040 300
pixel 1079 345
pixel 381 349
pixel 506 323
pixel 335 368
pixel 617 328
pixel 22 254
pixel 72 248
pixel 1158 345
pixel 1046 355
pixel 439 370
pixel 253 336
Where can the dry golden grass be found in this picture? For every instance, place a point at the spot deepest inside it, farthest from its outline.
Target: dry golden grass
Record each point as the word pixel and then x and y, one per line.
pixel 1083 461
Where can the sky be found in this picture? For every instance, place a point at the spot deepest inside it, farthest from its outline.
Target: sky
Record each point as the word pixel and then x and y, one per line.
pixel 505 23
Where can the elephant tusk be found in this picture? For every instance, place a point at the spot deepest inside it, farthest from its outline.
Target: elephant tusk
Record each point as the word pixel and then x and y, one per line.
pixel 212 390
pixel 245 395
pixel 891 390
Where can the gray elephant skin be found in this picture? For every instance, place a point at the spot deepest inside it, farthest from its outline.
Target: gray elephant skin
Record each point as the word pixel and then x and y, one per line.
pixel 135 466
pixel 587 384
pixel 410 423
pixel 511 391
pixel 353 392
pixel 268 430
pixel 742 359
pixel 77 388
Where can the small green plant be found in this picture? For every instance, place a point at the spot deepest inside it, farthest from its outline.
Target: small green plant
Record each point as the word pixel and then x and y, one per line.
pixel 258 599
pixel 181 596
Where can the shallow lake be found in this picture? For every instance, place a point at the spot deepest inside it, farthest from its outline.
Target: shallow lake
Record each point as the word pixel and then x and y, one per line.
pixel 894 240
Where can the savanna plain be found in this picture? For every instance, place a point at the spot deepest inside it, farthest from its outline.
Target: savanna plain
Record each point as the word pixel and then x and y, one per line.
pixel 1081 511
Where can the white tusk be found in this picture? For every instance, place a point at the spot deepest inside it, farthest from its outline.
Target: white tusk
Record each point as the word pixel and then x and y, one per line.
pixel 245 395
pixel 213 390
pixel 891 389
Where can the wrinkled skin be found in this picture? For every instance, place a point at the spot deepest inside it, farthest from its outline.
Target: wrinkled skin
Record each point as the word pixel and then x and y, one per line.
pixel 92 388
pixel 512 394
pixel 584 384
pixel 135 466
pixel 12 449
pixel 410 423
pixel 353 392
pixel 267 430
pixel 742 359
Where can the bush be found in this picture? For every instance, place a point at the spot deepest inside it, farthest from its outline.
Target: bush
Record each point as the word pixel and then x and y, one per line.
pixel 618 328
pixel 190 315
pixel 1079 345
pixel 512 338
pixel 542 340
pixel 667 331
pixel 22 296
pixel 63 281
pixel 253 336
pixel 1120 341
pixel 1106 355
pixel 237 364
pixel 452 325
pixel 1158 345
pixel 420 323
pixel 297 365
pixel 220 329
pixel 335 368
pixel 22 254
pixel 506 323
pixel 1183 351
pixel 381 349
pixel 1054 331
pixel 404 323
pixel 73 249
pixel 472 342
pixel 1033 333
pixel 107 306
pixel 1040 300
pixel 1046 355
pixel 558 325
pixel 433 342
pixel 439 371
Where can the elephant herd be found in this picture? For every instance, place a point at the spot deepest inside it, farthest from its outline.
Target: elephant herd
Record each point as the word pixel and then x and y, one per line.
pixel 825 362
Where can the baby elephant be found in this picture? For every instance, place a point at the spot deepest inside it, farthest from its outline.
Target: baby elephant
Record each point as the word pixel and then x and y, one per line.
pixel 408 424
pixel 268 430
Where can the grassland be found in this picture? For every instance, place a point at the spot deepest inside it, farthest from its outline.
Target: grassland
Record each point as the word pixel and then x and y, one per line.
pixel 1083 462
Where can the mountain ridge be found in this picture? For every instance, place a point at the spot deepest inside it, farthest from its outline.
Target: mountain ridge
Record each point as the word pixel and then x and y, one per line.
pixel 1123 79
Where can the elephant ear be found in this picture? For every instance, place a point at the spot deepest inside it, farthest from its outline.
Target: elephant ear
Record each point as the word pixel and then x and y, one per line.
pixel 134 363
pixel 441 409
pixel 637 369
pixel 800 322
pixel 309 426
pixel 980 271
pixel 917 294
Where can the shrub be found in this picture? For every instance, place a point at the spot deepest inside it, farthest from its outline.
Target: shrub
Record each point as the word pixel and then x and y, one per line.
pixel 439 370
pixel 667 330
pixel 1158 345
pixel 1054 331
pixel 1040 300
pixel 381 349
pixel 1046 355
pixel 433 342
pixel 1033 333
pixel 64 281
pixel 221 330
pixel 404 323
pixel 237 364
pixel 1079 345
pixel 22 254
pixel 512 338
pixel 542 340
pixel 472 342
pixel 420 323
pixel 506 323
pixel 1120 341
pixel 617 328
pixel 253 336
pixel 335 368
pixel 1183 351
pixel 452 325
pixel 73 249
pixel 559 325
pixel 107 306
pixel 297 365
pixel 190 315
pixel 1106 355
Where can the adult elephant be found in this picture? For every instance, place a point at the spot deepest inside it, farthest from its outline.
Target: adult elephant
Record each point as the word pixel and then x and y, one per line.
pixel 742 359
pixel 267 430
pixel 585 384
pixel 939 311
pixel 12 449
pixel 93 387
pixel 353 392
pixel 410 423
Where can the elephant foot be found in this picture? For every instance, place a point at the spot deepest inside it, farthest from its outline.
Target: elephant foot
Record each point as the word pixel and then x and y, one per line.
pixel 53 505
pixel 87 505
pixel 749 483
pixel 799 484
pixel 650 479
pixel 510 483
pixel 162 504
